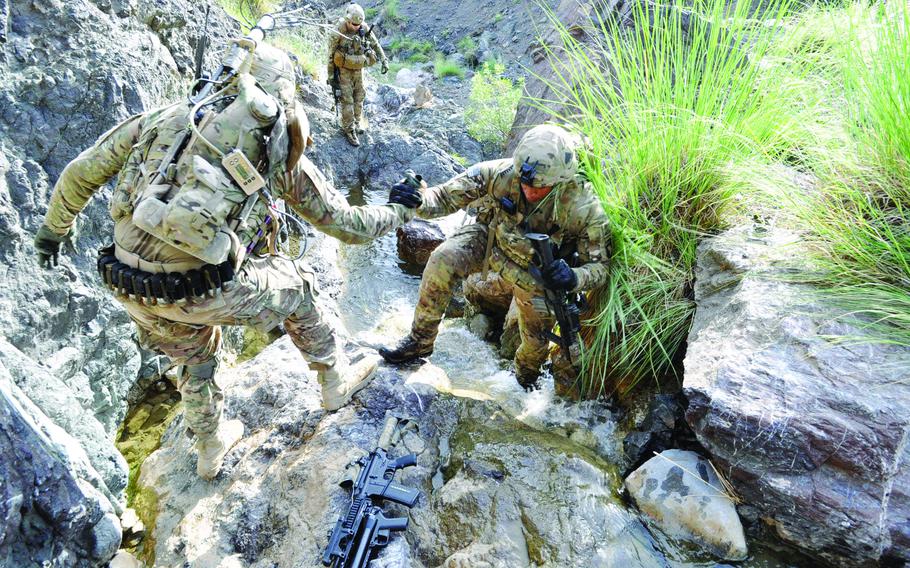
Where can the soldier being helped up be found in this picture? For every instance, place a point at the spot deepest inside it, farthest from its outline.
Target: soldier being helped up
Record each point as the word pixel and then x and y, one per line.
pixel 539 190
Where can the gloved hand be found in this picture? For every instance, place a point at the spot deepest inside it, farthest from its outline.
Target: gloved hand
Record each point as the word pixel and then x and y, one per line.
pixel 558 276
pixel 47 243
pixel 405 194
pixel 385 67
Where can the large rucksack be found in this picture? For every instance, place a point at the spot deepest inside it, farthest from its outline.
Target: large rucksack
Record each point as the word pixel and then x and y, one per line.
pixel 239 141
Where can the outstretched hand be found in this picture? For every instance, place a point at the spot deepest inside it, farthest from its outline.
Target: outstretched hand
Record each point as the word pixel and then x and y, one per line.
pixel 405 194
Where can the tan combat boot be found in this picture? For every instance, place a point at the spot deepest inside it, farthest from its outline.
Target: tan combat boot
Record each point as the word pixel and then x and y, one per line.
pixel 352 137
pixel 213 447
pixel 340 381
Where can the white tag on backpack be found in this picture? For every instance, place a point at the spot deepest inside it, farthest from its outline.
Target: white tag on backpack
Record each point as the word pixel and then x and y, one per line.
pixel 243 172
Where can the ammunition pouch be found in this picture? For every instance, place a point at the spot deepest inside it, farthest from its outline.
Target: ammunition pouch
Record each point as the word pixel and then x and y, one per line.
pixel 355 62
pixel 166 287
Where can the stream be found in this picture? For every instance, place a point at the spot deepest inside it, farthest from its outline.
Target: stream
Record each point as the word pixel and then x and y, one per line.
pixel 377 300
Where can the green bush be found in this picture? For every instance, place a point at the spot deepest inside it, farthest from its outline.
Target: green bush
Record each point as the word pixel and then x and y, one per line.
pixel 444 67
pixel 491 105
pixel 248 11
pixel 391 14
pixel 468 47
pixel 403 44
pixel 690 100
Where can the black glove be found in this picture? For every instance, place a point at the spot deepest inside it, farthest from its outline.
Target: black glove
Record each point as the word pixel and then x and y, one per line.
pixel 47 243
pixel 405 194
pixel 558 276
pixel 385 67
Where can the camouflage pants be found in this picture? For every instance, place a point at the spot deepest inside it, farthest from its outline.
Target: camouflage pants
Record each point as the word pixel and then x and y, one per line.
pixel 352 95
pixel 460 255
pixel 266 292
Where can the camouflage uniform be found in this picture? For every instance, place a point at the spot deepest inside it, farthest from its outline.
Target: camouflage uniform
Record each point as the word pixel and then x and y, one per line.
pixel 572 216
pixel 267 289
pixel 350 53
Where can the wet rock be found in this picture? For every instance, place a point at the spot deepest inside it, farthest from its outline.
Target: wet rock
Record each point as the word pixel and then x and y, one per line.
pixel 124 559
pixel 49 507
pixel 506 494
pixel 481 325
pixel 682 493
pixel 498 506
pixel 417 240
pixel 61 405
pixel 654 430
pixel 812 433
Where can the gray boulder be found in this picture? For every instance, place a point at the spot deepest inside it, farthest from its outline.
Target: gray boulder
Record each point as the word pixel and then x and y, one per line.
pixel 62 405
pixel 50 511
pixel 681 492
pixel 811 432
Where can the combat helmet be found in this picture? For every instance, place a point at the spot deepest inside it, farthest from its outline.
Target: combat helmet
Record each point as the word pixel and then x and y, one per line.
pixel 545 156
pixel 274 72
pixel 354 13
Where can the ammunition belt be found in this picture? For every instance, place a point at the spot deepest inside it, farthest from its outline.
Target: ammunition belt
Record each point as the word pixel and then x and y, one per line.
pixel 168 287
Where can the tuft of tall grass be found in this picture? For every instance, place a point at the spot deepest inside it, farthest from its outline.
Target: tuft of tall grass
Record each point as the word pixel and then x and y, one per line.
pixel 669 102
pixel 444 67
pixel 859 219
pixel 391 14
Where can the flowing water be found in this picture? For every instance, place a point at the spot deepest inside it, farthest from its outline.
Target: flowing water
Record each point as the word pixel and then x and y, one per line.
pixel 377 302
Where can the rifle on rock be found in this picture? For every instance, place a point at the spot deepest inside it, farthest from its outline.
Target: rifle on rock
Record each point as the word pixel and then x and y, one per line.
pixel 363 528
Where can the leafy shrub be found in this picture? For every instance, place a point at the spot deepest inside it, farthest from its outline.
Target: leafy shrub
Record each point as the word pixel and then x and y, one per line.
pixel 491 105
pixel 468 47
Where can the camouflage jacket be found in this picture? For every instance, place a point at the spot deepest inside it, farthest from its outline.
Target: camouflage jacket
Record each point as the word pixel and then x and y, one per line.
pixel 350 51
pixel 572 215
pixel 120 151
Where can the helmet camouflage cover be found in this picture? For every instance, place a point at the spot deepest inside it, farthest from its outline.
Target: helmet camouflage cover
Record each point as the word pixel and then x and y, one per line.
pixel 545 156
pixel 354 13
pixel 274 72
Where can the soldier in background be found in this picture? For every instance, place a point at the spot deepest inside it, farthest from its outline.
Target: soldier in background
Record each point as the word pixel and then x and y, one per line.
pixel 538 190
pixel 351 48
pixel 168 227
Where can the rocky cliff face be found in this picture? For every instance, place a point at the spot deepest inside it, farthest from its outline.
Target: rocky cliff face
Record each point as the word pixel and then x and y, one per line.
pixel 812 432
pixel 70 71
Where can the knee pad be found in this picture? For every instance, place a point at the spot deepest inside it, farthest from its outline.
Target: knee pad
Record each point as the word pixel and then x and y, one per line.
pixel 205 370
